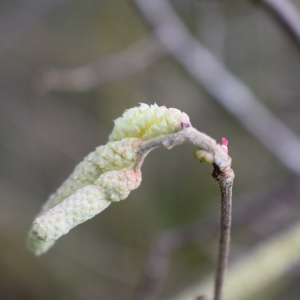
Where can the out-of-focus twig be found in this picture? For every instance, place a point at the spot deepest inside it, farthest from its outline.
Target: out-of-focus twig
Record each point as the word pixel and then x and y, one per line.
pixel 116 66
pixel 159 255
pixel 222 85
pixel 287 14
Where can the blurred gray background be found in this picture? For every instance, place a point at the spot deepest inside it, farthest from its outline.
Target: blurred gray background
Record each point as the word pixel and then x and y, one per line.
pixel 49 123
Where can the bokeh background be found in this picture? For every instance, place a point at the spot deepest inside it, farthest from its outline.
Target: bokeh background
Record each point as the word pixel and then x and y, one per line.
pixel 49 123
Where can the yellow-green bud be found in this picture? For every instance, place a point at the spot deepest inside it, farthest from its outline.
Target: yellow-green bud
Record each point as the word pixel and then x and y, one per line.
pixel 203 156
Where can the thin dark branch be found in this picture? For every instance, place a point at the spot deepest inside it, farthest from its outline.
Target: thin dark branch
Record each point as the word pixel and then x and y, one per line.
pixel 260 206
pixel 222 174
pixel 188 135
pixel 287 14
pixel 225 180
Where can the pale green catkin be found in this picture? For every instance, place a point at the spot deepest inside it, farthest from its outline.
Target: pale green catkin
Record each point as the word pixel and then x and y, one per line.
pixel 36 246
pixel 115 155
pixel 147 122
pixel 104 175
pixel 85 203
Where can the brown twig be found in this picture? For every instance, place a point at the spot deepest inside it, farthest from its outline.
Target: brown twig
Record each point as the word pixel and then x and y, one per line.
pixel 225 179
pixel 258 207
pixel 188 135
pixel 223 174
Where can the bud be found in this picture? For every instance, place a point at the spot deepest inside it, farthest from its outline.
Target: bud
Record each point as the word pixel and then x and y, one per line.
pixel 203 156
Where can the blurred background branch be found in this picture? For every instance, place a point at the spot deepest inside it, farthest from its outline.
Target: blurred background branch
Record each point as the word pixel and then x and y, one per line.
pixel 287 14
pixel 135 58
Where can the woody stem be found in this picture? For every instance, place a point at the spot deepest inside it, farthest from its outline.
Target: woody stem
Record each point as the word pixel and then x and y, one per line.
pixel 222 173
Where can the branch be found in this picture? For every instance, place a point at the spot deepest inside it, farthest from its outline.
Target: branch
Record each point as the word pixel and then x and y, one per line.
pixel 223 174
pixel 287 14
pixel 113 67
pixel 220 84
pixel 226 206
pixel 187 135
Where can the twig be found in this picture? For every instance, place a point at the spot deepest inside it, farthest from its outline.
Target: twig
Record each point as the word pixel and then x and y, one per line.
pixel 225 181
pixel 187 135
pixel 223 174
pixel 156 266
pixel 261 206
pixel 135 58
pixel 219 83
pixel 287 14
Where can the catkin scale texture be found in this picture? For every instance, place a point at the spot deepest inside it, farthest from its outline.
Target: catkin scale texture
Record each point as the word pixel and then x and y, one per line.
pixel 81 206
pixel 85 203
pixel 114 155
pixel 147 122
pixel 38 247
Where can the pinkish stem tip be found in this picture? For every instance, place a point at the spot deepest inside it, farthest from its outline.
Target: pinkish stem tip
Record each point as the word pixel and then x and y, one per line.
pixel 224 144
